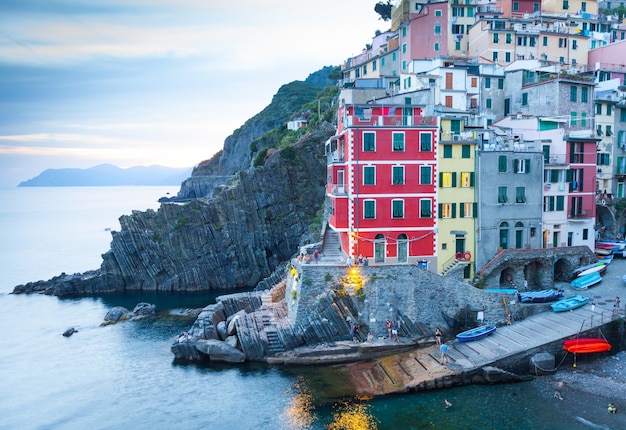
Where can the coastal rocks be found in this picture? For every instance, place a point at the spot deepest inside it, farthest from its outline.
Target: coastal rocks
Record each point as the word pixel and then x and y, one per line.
pixel 116 314
pixel 217 350
pixel 233 239
pixel 120 313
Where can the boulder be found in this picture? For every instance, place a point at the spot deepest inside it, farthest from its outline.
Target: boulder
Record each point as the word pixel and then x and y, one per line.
pixel 218 350
pixel 69 332
pixel 116 314
pixel 222 330
pixel 144 310
pixel 233 341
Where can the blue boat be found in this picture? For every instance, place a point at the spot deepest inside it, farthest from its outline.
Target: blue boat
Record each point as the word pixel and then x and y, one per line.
pixel 586 281
pixel 476 333
pixel 569 303
pixel 541 296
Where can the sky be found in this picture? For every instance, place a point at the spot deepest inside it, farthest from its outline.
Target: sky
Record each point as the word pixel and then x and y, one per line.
pixel 143 82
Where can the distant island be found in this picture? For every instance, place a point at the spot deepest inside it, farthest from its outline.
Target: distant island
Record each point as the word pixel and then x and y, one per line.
pixel 109 175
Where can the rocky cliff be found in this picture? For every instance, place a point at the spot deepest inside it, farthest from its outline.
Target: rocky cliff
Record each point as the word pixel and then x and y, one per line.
pixel 233 239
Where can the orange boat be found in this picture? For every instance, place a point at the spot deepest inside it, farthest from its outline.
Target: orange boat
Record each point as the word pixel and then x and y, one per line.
pixel 586 345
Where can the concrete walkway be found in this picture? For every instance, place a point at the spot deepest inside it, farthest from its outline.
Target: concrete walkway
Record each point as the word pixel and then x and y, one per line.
pixel 421 369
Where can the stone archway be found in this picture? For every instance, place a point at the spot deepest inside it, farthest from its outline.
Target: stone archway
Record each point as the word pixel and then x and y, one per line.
pixel 606 225
pixel 507 278
pixel 562 270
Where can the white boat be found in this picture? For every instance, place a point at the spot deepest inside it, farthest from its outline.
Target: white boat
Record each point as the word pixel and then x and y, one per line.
pixel 600 269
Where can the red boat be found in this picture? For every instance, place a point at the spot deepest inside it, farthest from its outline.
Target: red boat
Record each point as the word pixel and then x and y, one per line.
pixel 586 345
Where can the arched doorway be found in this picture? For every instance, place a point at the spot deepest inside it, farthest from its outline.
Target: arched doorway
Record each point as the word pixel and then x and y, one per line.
pixel 403 248
pixel 379 249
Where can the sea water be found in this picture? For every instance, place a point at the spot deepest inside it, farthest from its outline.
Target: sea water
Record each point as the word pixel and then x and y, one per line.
pixel 124 375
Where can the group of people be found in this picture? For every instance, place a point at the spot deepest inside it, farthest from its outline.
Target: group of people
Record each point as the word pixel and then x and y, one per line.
pixel 358 261
pixel 306 257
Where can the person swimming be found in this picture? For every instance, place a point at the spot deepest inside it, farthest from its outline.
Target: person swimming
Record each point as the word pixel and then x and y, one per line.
pixel 448 404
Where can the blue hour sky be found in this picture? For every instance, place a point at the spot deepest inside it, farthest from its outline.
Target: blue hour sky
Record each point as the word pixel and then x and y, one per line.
pixel 142 82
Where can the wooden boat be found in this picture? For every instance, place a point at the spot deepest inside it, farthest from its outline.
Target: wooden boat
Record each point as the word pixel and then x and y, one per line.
pixel 476 333
pixel 586 281
pixel 586 345
pixel 600 268
pixel 569 303
pixel 581 269
pixel 541 296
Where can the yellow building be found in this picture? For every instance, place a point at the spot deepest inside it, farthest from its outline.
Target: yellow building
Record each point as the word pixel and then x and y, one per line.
pixel 457 207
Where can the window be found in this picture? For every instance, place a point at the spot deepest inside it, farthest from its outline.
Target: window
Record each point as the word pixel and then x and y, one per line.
pixel 404 46
pixel 516 6
pixel 467 179
pixel 572 119
pixel 609 132
pixel 509 39
pixel 502 195
pixel 583 6
pixel 507 57
pixel 468 210
pixel 403 31
pixel 466 151
pixel 584 94
pixel 398 141
pixel 436 46
pixel 603 159
pixel 494 56
pixel 622 115
pixel 609 110
pixel 599 130
pixel 583 119
pixel 560 203
pixel 438 12
pixel 369 209
pixel 374 65
pixel 565 4
pixel 426 208
pixel 426 175
pixel 397 208
pixel 474 82
pixel 369 175
pixel 573 91
pixel 488 103
pixel 585 233
pixel 496 37
pixel 524 99
pixel 397 173
pixel 521 165
pixel 426 142
pixel 574 44
pixel 520 195
pixel 437 30
pixel 447 151
pixel 369 141
pixel 446 210
pixel 598 109
pixel 545 40
pixel 502 164
pixel 487 82
pixel 447 179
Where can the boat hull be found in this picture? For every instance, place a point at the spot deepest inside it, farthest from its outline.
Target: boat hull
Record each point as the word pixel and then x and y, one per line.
pixel 476 333
pixel 586 345
pixel 586 281
pixel 569 303
pixel 542 296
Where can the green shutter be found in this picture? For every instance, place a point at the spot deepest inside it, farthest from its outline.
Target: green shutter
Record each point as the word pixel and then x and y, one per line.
pixel 454 179
pixel 475 210
pixel 453 210
pixel 527 166
pixel 502 163
pixel 581 179
pixel 472 179
pixel 439 208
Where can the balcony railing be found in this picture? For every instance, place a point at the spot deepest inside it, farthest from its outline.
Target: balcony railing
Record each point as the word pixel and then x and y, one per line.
pixel 465 136
pixel 337 189
pixel 390 121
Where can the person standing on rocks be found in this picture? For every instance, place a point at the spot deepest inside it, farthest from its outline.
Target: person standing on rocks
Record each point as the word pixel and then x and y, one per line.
pixel 438 336
pixel 316 256
pixel 394 330
pixel 444 353
pixel 616 306
pixel 388 325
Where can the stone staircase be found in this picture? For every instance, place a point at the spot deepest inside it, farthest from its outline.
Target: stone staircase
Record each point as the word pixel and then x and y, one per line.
pixel 331 248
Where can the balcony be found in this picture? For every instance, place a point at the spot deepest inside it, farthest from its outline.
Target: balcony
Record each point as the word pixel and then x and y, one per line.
pixel 465 136
pixel 366 120
pixel 337 189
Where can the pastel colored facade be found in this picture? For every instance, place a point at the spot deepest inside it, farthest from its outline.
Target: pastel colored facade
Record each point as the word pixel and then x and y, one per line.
pixel 519 8
pixel 424 34
pixel 610 59
pixel 569 7
pixel 382 189
pixel 457 207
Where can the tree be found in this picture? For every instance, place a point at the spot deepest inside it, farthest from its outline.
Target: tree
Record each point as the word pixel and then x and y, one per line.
pixel 384 10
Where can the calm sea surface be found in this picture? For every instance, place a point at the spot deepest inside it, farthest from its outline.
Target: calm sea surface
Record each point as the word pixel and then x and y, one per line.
pixel 123 376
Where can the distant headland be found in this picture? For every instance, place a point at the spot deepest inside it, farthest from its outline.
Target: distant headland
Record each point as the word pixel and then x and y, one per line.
pixel 109 175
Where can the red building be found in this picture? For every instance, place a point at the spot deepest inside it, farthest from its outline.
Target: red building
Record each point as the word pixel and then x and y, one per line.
pixel 382 182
